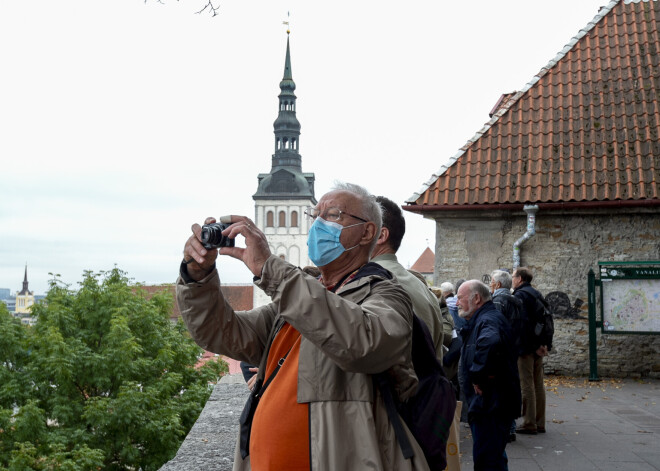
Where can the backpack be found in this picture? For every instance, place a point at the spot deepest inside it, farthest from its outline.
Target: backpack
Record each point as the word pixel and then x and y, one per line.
pixel 544 327
pixel 511 308
pixel 430 412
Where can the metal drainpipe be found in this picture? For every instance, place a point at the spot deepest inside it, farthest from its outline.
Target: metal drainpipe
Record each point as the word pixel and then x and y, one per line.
pixel 531 230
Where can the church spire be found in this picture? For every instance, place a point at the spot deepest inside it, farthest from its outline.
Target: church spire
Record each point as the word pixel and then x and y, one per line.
pixel 287 65
pixel 287 126
pixel 286 178
pixel 25 290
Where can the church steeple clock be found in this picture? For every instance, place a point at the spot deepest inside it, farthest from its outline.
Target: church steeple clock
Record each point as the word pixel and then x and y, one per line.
pixel 286 191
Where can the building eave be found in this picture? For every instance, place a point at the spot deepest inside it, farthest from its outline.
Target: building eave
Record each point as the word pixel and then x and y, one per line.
pixel 421 209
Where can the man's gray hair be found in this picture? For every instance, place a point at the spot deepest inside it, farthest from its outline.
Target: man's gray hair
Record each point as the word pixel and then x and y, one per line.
pixel 477 287
pixel 370 207
pixel 503 277
pixel 447 288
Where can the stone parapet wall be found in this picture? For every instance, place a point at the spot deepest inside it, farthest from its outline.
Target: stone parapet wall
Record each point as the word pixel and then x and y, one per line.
pixel 211 442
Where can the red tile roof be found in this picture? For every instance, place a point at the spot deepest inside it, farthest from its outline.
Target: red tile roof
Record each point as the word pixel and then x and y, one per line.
pixel 584 131
pixel 425 262
pixel 238 296
pixel 206 356
pixel 169 288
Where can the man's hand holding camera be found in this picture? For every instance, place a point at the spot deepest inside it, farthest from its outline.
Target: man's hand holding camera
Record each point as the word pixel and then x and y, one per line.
pixel 200 251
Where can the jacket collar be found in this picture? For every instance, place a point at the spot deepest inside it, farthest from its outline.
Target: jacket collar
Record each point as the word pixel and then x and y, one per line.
pixel 368 269
pixel 487 306
pixel 385 256
pixel 522 285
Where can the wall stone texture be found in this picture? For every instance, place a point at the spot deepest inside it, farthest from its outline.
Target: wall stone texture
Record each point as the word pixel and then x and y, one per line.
pixel 211 442
pixel 619 355
pixel 567 244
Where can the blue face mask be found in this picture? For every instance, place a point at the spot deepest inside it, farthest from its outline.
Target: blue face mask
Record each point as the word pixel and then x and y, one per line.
pixel 323 241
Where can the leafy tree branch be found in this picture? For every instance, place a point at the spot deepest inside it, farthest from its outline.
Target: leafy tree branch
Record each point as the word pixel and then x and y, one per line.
pixel 104 380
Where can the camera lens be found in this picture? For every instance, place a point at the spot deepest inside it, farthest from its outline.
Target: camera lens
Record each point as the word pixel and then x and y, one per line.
pixel 212 237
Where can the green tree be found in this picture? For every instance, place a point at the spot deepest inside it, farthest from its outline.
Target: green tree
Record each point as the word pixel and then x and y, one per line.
pixel 13 359
pixel 104 380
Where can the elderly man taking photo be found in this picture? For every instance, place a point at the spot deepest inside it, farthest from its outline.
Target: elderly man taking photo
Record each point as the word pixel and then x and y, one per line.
pixel 317 343
pixel 490 375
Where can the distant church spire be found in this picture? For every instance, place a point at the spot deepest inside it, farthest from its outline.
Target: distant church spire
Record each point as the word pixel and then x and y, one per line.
pixel 286 178
pixel 25 290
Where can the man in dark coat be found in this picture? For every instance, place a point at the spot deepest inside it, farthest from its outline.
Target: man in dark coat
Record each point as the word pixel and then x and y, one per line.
pixel 511 308
pixel 530 361
pixel 490 376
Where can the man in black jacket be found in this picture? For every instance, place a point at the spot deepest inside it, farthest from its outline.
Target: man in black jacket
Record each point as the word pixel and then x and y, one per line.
pixel 490 377
pixel 532 350
pixel 511 307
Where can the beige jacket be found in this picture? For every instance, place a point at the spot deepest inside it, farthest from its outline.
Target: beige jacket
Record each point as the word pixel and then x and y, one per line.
pixel 424 301
pixel 364 328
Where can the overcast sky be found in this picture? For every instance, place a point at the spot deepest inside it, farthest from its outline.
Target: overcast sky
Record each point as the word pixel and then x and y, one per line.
pixel 123 122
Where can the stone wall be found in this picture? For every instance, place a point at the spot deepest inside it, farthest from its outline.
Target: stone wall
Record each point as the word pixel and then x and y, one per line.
pixel 618 355
pixel 567 244
pixel 211 442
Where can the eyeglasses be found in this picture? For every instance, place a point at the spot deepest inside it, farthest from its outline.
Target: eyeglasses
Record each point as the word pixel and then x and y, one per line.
pixel 331 214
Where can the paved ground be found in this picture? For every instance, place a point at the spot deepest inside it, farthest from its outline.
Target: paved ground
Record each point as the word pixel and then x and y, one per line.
pixel 605 425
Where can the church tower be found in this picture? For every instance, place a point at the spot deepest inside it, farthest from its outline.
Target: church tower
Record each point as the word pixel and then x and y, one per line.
pixel 24 298
pixel 286 191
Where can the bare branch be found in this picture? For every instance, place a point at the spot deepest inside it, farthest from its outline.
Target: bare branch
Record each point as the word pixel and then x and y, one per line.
pixel 211 8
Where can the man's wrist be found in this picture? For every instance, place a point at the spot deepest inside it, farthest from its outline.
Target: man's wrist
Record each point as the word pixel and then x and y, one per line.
pixel 192 275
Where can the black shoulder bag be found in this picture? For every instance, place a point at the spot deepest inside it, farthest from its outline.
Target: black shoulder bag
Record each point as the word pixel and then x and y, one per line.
pixel 251 406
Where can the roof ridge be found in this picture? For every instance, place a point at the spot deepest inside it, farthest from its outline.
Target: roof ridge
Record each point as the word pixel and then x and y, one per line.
pixel 516 96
